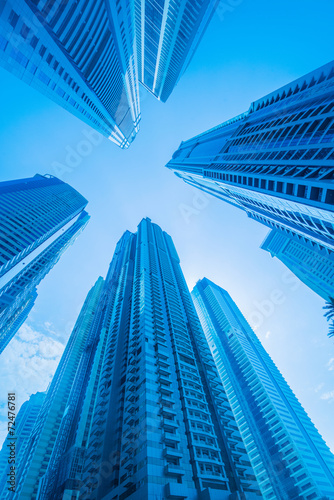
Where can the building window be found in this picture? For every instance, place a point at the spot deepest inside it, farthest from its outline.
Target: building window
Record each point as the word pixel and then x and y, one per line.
pixel 330 196
pixel 34 42
pixel 289 188
pixel 24 31
pixel 42 50
pixel 13 18
pixel 301 191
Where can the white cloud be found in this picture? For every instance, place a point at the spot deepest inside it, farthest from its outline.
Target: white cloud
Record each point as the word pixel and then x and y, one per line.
pixel 328 396
pixel 268 334
pixel 48 327
pixel 27 366
pixel 319 387
pixel 330 365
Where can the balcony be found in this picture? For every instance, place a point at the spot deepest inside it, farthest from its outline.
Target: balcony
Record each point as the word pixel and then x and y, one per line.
pixel 176 491
pixel 168 411
pixel 169 436
pixel 164 382
pixel 174 470
pixel 170 423
pixel 172 453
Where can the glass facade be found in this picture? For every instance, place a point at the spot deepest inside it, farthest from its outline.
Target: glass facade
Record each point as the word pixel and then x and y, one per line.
pixel 289 457
pixel 313 264
pixel 81 55
pixel 24 423
pixel 41 441
pixel 13 321
pixel 167 35
pixel 40 217
pixel 146 414
pixel 276 161
pixel 89 56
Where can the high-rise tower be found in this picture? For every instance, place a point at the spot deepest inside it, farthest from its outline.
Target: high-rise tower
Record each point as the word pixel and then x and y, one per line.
pixel 313 264
pixel 90 56
pixel 39 218
pixel 289 457
pixel 38 450
pixel 154 420
pixel 81 54
pixel 167 35
pixel 276 161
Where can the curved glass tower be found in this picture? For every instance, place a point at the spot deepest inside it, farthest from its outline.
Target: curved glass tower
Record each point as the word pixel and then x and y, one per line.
pixel 167 35
pixel 81 55
pixel 34 461
pixel 39 218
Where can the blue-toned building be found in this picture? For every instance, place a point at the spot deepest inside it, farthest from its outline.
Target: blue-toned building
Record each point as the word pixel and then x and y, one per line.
pixel 147 415
pixel 12 322
pixel 313 264
pixel 24 423
pixel 167 35
pixel 35 460
pixel 89 56
pixel 288 455
pixel 81 55
pixel 39 218
pixel 276 161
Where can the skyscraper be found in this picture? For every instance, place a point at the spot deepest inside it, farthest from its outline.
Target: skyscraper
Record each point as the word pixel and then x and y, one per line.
pixel 13 321
pixel 289 457
pixel 34 461
pixel 90 56
pixel 39 218
pixel 24 423
pixel 311 263
pixel 167 35
pixel 147 415
pixel 276 161
pixel 81 55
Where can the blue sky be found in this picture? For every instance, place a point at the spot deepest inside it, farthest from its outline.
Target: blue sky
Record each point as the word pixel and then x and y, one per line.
pixel 249 49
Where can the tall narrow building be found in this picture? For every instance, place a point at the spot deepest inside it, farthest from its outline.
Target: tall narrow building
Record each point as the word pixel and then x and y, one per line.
pixel 313 264
pixel 38 450
pixel 81 54
pixel 289 457
pixel 154 420
pixel 167 35
pixel 14 319
pixel 39 218
pixel 276 161
pixel 24 423
pixel 89 56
